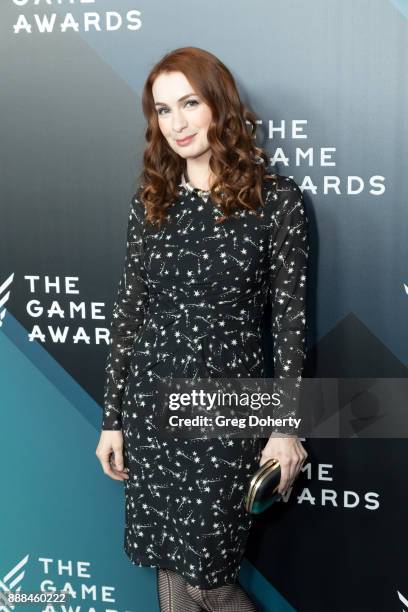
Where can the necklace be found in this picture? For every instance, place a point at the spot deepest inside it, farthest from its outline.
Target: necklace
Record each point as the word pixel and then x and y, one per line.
pixel 200 192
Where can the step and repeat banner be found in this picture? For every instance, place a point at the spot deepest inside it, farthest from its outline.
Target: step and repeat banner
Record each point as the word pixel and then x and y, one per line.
pixel 328 83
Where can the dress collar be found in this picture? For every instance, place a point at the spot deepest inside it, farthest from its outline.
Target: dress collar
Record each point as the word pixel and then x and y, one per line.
pixel 187 185
pixel 206 194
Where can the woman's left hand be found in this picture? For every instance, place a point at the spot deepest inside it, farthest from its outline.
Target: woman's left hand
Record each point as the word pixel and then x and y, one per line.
pixel 291 455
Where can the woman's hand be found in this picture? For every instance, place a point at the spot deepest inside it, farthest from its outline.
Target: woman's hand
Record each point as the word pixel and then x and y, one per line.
pixel 111 443
pixel 291 456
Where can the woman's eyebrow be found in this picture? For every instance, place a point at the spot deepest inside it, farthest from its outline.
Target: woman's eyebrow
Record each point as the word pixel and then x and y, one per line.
pixel 179 100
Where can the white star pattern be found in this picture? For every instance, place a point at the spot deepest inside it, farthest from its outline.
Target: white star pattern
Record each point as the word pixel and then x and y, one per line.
pixel 189 304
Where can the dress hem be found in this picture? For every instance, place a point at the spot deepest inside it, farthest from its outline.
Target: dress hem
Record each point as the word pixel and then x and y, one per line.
pixel 143 562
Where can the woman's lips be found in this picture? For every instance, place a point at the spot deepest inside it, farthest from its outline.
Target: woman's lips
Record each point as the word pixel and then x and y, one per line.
pixel 185 141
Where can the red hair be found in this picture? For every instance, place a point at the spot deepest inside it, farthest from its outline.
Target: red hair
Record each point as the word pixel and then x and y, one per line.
pixel 234 155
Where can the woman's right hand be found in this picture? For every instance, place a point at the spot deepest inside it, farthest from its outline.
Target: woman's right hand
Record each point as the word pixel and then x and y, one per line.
pixel 110 453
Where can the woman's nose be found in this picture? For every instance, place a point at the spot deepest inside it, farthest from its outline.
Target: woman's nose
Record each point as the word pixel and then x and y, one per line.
pixel 179 122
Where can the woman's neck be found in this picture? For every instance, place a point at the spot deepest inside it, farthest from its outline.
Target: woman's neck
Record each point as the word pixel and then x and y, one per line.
pixel 198 175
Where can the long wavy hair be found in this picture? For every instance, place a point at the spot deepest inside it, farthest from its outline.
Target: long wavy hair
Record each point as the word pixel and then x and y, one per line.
pixel 239 166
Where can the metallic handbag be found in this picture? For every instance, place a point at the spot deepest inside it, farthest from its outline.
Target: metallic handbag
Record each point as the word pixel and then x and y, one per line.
pixel 262 491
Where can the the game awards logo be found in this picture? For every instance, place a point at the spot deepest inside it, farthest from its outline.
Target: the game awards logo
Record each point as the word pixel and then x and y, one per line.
pixel 404 601
pixel 4 296
pixel 12 582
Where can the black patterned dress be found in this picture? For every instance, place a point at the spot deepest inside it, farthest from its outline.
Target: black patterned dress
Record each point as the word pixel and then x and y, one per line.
pixel 190 303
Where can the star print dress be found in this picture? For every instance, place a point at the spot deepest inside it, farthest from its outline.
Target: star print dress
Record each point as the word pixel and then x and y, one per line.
pixel 189 303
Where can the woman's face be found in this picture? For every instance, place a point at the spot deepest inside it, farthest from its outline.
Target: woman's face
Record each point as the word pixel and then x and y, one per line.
pixel 181 113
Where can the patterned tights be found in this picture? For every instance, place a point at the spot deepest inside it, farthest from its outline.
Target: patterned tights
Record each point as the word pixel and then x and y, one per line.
pixel 176 595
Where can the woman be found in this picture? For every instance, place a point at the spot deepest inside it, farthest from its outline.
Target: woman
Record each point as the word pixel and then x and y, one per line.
pixel 211 237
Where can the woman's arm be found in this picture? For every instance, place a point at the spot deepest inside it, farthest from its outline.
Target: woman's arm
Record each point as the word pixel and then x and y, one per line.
pixel 288 257
pixel 127 317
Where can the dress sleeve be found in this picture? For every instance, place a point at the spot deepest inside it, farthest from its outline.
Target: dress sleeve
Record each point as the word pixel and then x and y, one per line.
pixel 288 257
pixel 127 317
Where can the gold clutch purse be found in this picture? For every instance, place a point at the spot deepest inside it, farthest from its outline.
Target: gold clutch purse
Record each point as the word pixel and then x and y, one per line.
pixel 262 491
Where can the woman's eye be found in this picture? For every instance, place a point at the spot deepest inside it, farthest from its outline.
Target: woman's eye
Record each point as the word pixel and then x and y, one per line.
pixel 193 102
